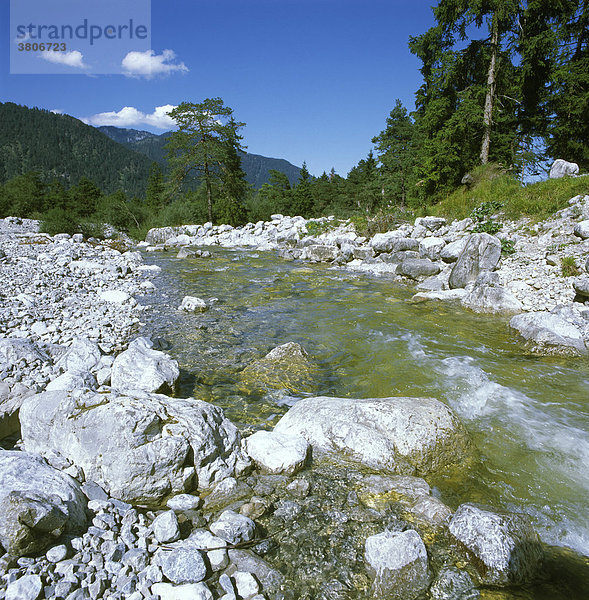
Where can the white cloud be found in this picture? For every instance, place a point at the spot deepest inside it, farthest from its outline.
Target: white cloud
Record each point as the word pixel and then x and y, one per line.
pixel 148 64
pixel 74 58
pixel 129 116
pixel 56 111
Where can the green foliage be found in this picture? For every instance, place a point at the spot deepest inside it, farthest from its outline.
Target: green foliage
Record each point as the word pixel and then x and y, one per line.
pixel 568 267
pixel 507 247
pixel 316 228
pixel 204 146
pixel 481 216
pixel 59 220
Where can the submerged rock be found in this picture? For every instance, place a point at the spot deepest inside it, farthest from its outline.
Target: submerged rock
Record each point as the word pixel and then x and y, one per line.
pixel 408 436
pixel 139 448
pixel 193 304
pixel 285 367
pixel 506 548
pixel 398 562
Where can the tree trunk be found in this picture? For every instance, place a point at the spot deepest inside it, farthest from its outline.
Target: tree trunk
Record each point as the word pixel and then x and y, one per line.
pixel 490 97
pixel 209 193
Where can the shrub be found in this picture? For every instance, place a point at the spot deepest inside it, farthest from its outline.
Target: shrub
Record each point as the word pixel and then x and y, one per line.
pixel 59 220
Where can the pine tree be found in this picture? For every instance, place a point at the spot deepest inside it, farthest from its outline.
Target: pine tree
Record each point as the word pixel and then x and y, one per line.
pixel 200 144
pixel 154 195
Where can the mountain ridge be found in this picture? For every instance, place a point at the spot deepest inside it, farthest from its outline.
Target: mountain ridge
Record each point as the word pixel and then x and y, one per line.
pixel 256 166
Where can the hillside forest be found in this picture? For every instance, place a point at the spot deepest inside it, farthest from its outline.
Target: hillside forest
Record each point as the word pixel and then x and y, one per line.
pixel 505 90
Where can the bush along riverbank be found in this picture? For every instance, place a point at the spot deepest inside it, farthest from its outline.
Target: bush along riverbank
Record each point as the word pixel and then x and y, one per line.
pixel 111 487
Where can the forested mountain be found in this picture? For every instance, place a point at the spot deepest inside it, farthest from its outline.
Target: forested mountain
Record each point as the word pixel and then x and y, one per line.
pixel 63 148
pixel 257 168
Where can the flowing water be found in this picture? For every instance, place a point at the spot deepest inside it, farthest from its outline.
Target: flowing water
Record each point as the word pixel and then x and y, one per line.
pixel 528 415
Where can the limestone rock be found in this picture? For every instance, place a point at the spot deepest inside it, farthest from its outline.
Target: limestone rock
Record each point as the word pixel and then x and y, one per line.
pixel 453 250
pixel 140 367
pixel 166 528
pixel 276 452
pixel 398 563
pixel 430 222
pixel 548 332
pixel 581 286
pixel 417 268
pixel 37 503
pixel 285 367
pixel 233 527
pixel 82 356
pixel 506 548
pixel 481 253
pixel 431 247
pixel 407 436
pixel 136 447
pixel 114 296
pixel 188 591
pixel 26 588
pixel 183 564
pixel 393 241
pixel 193 304
pixel 582 229
pixel 489 296
pixel 561 168
pixel 320 253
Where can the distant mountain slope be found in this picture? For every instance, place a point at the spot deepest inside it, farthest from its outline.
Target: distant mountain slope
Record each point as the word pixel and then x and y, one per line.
pixel 256 167
pixel 62 147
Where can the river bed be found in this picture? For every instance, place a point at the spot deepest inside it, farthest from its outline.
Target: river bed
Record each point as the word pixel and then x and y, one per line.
pixel 528 415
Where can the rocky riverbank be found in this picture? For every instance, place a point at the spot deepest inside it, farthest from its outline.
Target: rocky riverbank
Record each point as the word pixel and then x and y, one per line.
pixel 537 272
pixel 110 487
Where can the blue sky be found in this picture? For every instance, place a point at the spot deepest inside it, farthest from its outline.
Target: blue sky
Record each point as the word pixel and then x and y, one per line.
pixel 313 80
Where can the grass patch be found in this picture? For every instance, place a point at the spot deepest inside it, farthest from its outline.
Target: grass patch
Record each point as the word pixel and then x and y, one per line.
pixel 568 267
pixel 492 186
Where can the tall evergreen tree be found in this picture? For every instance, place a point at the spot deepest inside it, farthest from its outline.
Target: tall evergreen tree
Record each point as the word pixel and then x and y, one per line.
pixel 200 145
pixel 154 195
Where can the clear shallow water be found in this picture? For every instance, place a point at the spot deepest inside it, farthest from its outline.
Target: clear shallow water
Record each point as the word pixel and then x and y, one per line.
pixel 528 416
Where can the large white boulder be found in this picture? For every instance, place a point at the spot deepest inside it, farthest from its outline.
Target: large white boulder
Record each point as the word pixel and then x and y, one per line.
pixel 140 367
pixel 561 168
pixel 549 332
pixel 489 296
pixel 409 436
pixel 139 448
pixel 481 253
pixel 37 503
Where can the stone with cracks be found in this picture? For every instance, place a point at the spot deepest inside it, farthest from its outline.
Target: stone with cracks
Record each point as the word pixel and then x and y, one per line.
pixel 183 563
pixel 505 547
pixel 418 268
pixel 278 452
pixel 233 527
pixel 481 253
pixel 139 448
pixel 398 563
pixel 140 367
pixel 26 588
pixel 489 296
pixel 408 436
pixel 37 503
pixel 320 253
pixel 549 332
pixel 82 356
pixel 392 241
